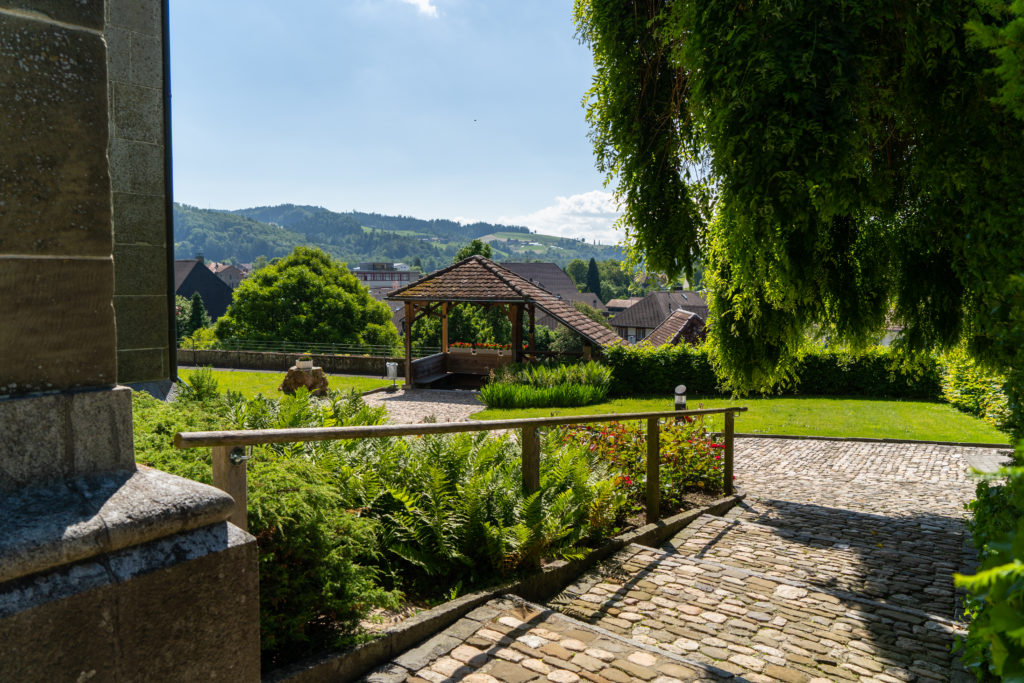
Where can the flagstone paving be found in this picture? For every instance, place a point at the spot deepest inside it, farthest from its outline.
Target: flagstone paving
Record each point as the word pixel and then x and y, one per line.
pixel 837 566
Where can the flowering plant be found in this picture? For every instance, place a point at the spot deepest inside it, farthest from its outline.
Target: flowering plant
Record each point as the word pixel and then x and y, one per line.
pixel 690 459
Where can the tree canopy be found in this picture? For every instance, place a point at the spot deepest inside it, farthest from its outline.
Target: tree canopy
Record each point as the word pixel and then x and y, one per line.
pixel 844 165
pixel 306 297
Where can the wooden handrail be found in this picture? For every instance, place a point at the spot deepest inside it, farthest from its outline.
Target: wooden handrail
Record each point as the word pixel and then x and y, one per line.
pixel 229 472
pixel 254 437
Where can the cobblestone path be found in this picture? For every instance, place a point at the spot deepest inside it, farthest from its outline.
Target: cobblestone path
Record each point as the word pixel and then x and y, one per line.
pixel 837 566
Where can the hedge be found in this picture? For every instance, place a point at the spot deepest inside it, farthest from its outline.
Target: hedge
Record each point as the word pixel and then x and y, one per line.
pixel 877 373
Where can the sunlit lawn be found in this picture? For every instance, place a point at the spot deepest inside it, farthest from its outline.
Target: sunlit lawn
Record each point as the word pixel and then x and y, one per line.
pixel 250 383
pixel 808 416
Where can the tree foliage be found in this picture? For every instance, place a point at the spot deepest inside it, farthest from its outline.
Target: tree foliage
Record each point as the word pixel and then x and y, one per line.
pixel 593 278
pixel 838 164
pixel 306 297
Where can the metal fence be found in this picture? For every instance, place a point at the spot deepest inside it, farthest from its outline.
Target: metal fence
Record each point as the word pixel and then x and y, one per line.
pixel 315 347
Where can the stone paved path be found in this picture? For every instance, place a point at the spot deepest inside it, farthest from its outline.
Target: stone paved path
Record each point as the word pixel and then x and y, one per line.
pixel 838 566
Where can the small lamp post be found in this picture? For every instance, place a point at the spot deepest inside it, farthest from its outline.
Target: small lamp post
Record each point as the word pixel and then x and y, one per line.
pixel 681 397
pixel 392 370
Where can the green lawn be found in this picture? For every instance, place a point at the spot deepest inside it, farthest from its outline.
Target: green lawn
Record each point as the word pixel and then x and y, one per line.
pixel 808 416
pixel 252 383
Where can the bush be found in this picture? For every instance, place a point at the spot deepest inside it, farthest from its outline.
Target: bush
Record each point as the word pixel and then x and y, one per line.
pixel 343 525
pixel 315 559
pixel 547 386
pixel 975 391
pixel 877 372
pixel 645 369
pixel 199 385
pixel 994 646
pixel 690 459
pixel 453 506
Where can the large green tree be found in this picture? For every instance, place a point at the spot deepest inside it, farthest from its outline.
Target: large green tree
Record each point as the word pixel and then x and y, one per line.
pixel 306 297
pixel 833 163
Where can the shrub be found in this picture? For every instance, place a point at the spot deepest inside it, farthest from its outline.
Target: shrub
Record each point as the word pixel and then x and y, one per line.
pixel 547 386
pixel 645 369
pixel 199 385
pixel 315 559
pixel 994 646
pixel 690 459
pixel 972 389
pixel 877 372
pixel 453 506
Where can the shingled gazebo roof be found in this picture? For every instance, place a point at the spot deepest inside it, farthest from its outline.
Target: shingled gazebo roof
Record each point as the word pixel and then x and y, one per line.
pixel 479 280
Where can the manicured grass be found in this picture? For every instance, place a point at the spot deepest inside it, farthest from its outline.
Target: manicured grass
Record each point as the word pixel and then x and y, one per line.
pixel 807 416
pixel 252 383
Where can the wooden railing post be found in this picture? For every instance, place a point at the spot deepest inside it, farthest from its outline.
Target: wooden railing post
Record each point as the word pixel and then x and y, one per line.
pixel 229 476
pixel 531 459
pixel 729 433
pixel 653 470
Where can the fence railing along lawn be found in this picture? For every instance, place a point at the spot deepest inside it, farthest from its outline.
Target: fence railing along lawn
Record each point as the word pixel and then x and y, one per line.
pixel 229 456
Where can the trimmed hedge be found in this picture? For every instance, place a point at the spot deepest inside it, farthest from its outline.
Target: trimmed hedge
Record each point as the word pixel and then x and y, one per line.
pixel 877 373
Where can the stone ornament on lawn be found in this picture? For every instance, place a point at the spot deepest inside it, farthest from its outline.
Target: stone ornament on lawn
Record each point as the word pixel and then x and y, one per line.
pixel 313 379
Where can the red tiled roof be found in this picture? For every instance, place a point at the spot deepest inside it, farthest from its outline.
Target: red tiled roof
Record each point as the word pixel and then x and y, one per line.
pixel 479 280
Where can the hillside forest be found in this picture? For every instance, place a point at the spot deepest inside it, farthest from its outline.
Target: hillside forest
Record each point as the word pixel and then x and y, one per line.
pixel 244 235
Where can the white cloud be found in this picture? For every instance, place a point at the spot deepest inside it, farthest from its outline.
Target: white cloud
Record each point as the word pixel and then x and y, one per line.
pixel 587 216
pixel 424 6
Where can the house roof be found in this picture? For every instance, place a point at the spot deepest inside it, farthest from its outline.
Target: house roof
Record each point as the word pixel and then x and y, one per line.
pixel 654 308
pixel 623 304
pixel 551 277
pixel 674 327
pixel 480 280
pixel 181 270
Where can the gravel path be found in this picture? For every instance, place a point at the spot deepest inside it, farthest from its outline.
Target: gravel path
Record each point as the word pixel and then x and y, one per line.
pixel 412 406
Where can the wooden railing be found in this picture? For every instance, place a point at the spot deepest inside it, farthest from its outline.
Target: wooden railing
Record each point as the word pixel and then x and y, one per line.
pixel 229 472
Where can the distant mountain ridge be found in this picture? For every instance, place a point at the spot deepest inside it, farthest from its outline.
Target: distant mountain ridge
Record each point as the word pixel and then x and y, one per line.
pixel 272 231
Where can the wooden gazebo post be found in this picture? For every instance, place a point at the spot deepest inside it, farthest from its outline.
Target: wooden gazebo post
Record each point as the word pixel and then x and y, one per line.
pixel 516 318
pixel 408 344
pixel 444 326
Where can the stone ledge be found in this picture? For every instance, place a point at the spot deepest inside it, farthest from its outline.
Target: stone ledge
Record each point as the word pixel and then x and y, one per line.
pixel 84 517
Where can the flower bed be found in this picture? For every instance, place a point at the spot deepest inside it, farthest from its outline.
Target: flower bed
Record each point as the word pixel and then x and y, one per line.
pixel 691 461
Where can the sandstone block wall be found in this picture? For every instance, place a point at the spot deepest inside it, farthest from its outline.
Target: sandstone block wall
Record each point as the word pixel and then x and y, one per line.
pixel 135 47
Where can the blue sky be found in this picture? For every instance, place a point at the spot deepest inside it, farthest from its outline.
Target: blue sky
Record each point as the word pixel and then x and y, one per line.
pixel 462 109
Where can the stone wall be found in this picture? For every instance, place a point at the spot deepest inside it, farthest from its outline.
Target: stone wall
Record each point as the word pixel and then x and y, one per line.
pixel 263 360
pixel 108 571
pixel 135 47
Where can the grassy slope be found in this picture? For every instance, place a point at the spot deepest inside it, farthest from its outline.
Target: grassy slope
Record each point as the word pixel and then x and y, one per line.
pixel 251 383
pixel 809 416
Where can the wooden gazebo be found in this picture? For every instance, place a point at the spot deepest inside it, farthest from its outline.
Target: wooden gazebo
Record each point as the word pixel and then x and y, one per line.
pixel 478 280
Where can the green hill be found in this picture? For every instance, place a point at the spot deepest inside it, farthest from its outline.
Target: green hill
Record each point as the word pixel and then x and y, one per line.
pixel 354 237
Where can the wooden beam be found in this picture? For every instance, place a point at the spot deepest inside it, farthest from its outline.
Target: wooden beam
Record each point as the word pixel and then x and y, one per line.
pixel 409 312
pixel 300 434
pixel 532 308
pixel 444 327
pixel 516 318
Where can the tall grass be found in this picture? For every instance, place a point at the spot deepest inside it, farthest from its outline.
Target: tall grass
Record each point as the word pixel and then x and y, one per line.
pixel 547 386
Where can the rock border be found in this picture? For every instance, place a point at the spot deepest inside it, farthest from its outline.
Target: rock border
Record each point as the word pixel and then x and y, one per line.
pixel 350 664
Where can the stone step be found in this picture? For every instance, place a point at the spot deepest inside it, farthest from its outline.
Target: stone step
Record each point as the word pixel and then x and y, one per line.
pixel 509 639
pixel 869 569
pixel 762 627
